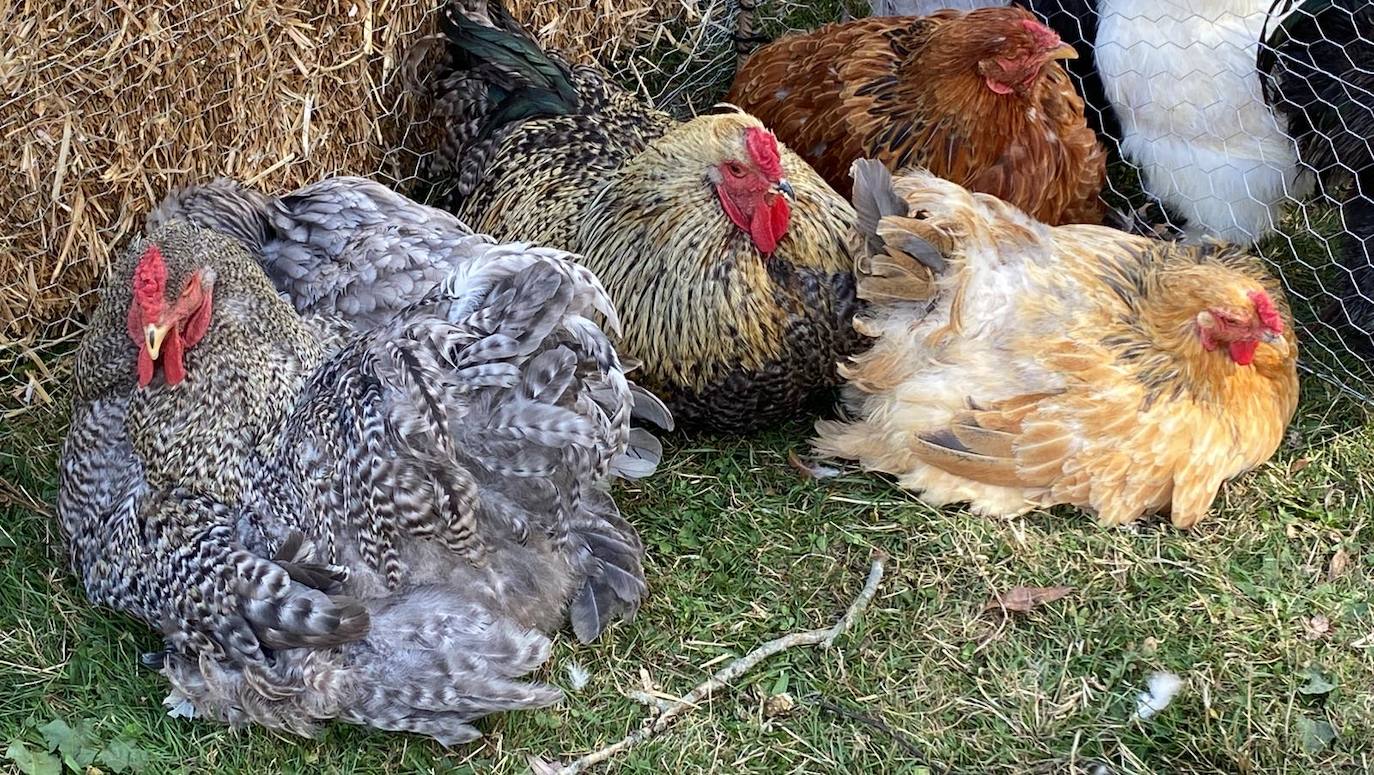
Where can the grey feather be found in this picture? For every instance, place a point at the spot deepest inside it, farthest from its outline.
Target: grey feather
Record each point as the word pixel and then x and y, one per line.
pixel 874 199
pixel 920 249
pixel 640 458
pixel 650 407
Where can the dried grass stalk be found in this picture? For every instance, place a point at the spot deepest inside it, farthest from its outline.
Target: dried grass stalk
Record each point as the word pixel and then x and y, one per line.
pixel 605 31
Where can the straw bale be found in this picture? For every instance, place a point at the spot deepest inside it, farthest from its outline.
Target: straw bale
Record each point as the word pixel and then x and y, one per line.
pixel 108 105
pixel 604 31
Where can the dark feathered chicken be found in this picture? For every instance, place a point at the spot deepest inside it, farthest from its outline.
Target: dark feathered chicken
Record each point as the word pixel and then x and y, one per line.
pixel 379 527
pixel 725 253
pixel 1319 70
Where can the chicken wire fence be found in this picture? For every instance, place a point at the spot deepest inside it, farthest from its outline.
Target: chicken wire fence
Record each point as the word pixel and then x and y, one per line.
pixel 112 105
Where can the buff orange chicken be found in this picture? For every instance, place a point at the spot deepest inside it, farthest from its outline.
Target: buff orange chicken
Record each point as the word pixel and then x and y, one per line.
pixel 1018 365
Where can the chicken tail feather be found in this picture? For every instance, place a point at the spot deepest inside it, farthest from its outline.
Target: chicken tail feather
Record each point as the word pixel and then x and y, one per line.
pixel 874 199
pixel 494 75
pixel 614 583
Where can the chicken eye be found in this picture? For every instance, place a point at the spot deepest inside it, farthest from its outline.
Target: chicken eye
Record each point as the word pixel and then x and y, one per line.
pixel 735 169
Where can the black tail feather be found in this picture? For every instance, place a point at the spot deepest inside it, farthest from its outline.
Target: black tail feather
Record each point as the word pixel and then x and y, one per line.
pixel 522 80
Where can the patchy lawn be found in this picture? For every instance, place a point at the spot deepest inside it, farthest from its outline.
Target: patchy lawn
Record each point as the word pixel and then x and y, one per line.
pixel 1264 611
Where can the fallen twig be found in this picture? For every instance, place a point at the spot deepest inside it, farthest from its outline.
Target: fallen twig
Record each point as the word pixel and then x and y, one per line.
pixel 14 495
pixel 824 637
pixel 658 704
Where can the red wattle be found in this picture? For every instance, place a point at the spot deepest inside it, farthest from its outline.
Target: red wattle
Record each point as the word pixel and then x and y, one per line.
pixel 782 214
pixel 997 87
pixel 173 370
pixel 145 367
pixel 769 224
pixel 1243 351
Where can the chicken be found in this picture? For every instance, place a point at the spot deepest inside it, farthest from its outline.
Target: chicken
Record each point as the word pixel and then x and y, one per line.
pixel 726 255
pixel 927 7
pixel 334 516
pixel 1181 77
pixel 1319 71
pixel 1074 20
pixel 977 98
pixel 1018 365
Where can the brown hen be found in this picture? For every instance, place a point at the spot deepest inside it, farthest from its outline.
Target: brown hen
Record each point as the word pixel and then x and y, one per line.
pixel 976 98
pixel 1018 365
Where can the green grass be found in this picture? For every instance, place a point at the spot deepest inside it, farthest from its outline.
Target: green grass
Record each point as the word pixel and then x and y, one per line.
pixel 741 549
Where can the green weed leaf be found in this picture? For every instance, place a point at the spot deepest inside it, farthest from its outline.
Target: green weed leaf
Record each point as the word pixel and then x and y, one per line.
pixel 121 756
pixel 1319 682
pixel 33 763
pixel 1316 734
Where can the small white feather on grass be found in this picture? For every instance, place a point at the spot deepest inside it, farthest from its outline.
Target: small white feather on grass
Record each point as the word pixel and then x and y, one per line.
pixel 578 676
pixel 179 705
pixel 1160 691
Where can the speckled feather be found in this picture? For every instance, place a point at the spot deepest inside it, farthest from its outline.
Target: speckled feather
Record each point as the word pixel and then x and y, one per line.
pixel 380 528
pixel 906 91
pixel 729 338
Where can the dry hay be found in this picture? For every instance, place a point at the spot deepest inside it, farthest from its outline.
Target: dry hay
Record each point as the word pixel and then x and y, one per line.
pixel 604 31
pixel 109 105
pixel 112 104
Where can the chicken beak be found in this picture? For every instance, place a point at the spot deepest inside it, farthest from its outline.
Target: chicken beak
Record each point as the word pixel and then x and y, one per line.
pixel 1065 51
pixel 153 338
pixel 785 188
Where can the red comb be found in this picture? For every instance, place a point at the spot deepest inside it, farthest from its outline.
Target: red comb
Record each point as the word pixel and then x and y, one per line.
pixel 1268 314
pixel 763 149
pixel 150 282
pixel 1045 37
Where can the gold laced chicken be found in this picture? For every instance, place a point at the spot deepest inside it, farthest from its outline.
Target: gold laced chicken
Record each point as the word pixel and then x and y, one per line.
pixel 1018 365
pixel 727 256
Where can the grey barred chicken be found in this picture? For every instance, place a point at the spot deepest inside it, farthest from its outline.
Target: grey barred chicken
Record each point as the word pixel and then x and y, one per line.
pixel 726 254
pixel 376 514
